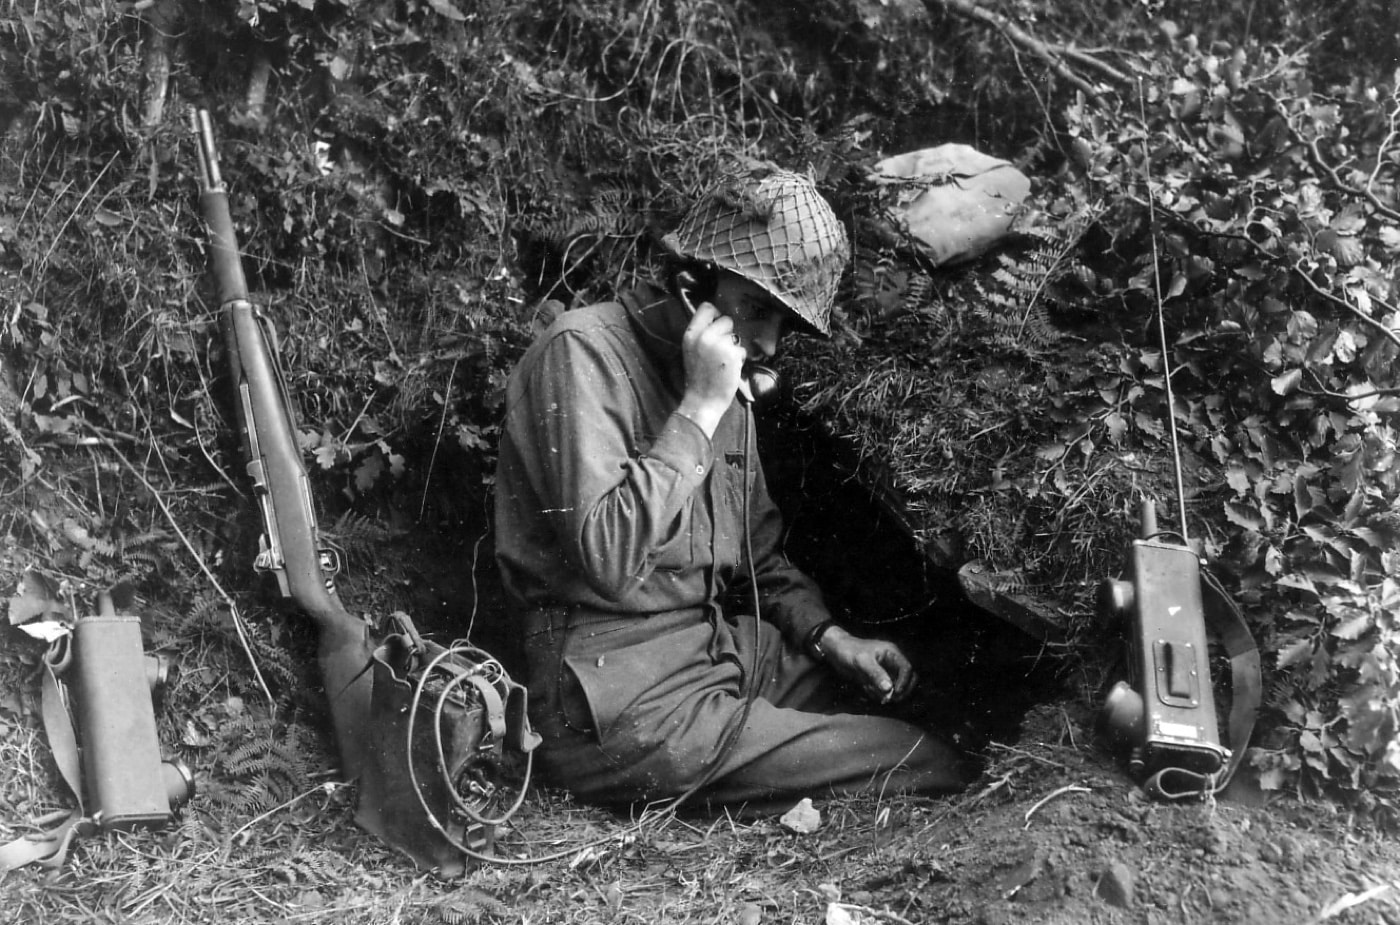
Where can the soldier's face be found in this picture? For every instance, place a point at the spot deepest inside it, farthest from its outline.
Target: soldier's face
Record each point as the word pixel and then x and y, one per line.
pixel 759 319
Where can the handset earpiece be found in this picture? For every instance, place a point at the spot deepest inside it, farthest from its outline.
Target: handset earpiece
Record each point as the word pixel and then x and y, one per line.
pixel 686 281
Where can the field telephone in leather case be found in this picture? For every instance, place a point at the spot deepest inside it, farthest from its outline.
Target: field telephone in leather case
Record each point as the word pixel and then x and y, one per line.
pixel 1164 716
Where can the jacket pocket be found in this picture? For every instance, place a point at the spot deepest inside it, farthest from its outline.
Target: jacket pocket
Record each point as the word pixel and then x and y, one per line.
pixel 638 694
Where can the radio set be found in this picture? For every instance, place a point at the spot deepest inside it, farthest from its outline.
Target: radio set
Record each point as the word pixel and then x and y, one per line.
pixel 1164 715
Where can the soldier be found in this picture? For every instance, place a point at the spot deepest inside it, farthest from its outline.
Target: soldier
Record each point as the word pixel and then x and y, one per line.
pixel 637 539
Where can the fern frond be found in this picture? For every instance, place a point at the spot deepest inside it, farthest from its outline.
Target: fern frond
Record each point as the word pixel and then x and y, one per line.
pixel 1018 296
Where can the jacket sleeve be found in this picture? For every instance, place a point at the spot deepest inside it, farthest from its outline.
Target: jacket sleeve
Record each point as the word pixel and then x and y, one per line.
pixel 613 496
pixel 789 597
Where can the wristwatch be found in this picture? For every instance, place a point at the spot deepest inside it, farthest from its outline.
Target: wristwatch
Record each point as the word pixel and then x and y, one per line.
pixel 814 639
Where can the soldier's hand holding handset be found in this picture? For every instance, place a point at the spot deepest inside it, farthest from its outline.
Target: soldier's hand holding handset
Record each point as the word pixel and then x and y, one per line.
pixel 714 363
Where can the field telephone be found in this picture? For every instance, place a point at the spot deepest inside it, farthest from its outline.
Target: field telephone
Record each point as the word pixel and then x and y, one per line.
pixel 98 702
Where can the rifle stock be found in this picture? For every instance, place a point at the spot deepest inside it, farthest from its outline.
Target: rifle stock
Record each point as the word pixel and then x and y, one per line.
pixel 291 547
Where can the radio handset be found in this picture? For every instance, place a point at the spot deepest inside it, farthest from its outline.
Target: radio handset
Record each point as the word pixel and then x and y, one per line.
pixel 758 384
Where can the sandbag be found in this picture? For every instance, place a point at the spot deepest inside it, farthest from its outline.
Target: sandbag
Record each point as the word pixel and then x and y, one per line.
pixel 951 201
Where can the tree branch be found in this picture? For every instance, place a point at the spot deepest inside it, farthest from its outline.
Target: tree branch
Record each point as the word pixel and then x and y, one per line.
pixel 1390 334
pixel 1054 55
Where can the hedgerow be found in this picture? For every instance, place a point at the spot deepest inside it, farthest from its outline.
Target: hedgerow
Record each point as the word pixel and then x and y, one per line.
pixel 414 182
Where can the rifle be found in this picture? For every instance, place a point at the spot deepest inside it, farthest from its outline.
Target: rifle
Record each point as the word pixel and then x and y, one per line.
pixel 473 727
pixel 291 546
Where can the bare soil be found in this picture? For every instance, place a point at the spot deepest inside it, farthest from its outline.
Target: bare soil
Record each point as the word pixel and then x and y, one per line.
pixel 1053 831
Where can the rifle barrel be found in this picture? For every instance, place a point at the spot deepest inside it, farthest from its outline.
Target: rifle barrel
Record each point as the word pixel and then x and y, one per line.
pixel 224 259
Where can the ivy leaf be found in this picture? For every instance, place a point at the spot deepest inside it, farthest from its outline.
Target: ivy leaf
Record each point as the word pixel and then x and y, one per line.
pixel 326 454
pixel 1238 479
pixel 1272 779
pixel 1117 427
pixel 1345 348
pixel 1320 350
pixel 448 9
pixel 1244 515
pixel 1352 511
pixel 1287 382
pixel 368 471
pixel 1321 671
pixel 1295 653
pixel 1350 220
pixel 1347 250
pixel 1178 286
pixel 1353 628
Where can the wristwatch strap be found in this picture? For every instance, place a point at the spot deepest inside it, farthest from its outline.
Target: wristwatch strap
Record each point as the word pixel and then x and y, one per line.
pixel 813 643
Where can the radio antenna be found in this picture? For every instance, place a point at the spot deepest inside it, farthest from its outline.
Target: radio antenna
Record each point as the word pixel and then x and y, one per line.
pixel 1162 316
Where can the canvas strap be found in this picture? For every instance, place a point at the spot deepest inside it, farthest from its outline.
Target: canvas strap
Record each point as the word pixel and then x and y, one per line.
pixel 48 847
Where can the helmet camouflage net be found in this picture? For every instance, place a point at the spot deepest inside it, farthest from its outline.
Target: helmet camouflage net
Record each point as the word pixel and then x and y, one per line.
pixel 771 227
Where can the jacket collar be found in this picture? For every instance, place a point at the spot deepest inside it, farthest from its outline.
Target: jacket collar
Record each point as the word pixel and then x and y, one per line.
pixel 659 321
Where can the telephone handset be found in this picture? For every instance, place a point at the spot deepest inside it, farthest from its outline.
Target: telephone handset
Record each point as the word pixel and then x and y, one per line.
pixel 758 384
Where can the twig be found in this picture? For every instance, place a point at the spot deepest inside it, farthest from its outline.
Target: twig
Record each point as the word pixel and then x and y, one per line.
pixel 327 787
pixel 1072 788
pixel 1052 55
pixel 1351 900
pixel 1315 154
pixel 1381 328
pixel 437 440
pixel 1025 754
pixel 877 913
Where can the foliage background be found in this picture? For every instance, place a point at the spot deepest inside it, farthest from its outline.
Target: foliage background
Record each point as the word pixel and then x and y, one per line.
pixel 419 185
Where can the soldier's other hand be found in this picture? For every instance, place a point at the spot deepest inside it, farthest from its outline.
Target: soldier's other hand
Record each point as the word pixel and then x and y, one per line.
pixel 878 667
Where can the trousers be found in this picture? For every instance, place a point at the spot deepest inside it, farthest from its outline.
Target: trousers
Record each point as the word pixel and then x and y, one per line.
pixel 634 708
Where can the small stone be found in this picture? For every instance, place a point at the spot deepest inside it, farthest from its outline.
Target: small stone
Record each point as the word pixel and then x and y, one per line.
pixel 803 818
pixel 1116 885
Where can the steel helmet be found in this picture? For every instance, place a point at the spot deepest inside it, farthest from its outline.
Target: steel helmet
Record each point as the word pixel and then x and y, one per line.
pixel 771 227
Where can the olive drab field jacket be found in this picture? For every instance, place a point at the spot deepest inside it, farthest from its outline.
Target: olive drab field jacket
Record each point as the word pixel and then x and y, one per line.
pixel 608 499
